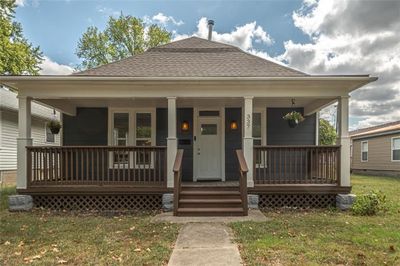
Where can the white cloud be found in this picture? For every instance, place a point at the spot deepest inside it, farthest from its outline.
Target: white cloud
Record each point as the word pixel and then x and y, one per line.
pixel 353 37
pixel 106 11
pixel 20 2
pixel 244 36
pixel 164 20
pixel 50 67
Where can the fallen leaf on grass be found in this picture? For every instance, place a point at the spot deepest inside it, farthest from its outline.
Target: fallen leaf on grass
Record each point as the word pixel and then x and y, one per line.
pixel 148 249
pixel 7 243
pixel 21 243
pixel 17 253
pixel 56 250
pixel 61 261
pixel 132 228
pixel 391 248
pixel 137 250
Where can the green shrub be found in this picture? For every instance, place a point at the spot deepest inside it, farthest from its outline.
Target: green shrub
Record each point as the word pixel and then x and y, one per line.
pixel 369 204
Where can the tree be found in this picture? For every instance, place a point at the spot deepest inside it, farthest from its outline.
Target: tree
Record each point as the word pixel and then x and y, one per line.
pixel 17 55
pixel 124 36
pixel 327 133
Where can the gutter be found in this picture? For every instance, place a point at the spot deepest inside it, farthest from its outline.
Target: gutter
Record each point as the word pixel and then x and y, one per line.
pixel 123 78
pixel 358 137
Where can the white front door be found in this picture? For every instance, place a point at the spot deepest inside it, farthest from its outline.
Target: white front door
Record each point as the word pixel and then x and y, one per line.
pixel 208 148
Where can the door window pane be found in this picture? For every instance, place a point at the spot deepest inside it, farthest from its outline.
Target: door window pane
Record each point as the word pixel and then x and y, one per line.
pixel 143 125
pixel 208 129
pixel 143 138
pixel 121 129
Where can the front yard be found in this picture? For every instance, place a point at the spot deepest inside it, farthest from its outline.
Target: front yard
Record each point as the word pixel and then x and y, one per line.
pixel 42 238
pixel 326 237
pixel 289 238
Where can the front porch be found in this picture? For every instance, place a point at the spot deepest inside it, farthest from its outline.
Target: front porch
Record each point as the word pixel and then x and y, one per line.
pixel 126 146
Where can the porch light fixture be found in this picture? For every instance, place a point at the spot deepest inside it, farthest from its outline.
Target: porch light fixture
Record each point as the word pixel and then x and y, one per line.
pixel 234 125
pixel 185 126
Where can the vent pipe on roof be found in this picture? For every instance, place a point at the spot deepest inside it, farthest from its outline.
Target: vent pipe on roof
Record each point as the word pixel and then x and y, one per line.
pixel 210 28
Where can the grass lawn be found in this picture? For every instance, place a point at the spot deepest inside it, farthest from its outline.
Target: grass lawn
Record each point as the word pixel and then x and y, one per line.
pixel 43 238
pixel 326 237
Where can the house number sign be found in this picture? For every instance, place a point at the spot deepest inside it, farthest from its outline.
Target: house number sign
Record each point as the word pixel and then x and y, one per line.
pixel 248 121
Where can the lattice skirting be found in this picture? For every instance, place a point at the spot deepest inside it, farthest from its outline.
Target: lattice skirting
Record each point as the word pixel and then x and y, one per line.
pixel 99 202
pixel 297 200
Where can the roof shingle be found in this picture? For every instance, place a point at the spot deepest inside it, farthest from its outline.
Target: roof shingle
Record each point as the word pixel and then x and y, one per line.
pixel 193 57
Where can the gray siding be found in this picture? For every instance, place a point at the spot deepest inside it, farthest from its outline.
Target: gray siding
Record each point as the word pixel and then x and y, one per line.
pixel 88 127
pixel 279 132
pixel 233 141
pixel 185 139
pixel 9 134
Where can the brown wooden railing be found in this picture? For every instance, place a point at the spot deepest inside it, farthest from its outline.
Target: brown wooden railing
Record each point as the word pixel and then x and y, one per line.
pixel 243 169
pixel 177 179
pixel 296 165
pixel 96 165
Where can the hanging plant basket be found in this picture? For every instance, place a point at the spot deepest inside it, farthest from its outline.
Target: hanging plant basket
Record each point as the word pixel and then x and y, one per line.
pixel 294 118
pixel 54 126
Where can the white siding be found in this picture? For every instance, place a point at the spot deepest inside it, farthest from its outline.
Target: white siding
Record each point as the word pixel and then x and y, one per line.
pixel 9 134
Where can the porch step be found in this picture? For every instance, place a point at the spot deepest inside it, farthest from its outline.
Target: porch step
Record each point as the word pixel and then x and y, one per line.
pixel 210 203
pixel 209 194
pixel 210 212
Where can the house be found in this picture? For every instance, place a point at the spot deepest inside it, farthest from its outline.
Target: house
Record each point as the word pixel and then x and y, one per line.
pixel 196 119
pixel 376 150
pixel 9 132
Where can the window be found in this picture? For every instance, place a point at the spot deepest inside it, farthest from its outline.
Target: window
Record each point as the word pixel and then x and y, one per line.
pixel 396 149
pixel 208 129
pixel 132 127
pixel 364 151
pixel 49 136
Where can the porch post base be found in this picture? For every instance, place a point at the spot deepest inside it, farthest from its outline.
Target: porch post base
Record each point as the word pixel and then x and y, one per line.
pixel 345 201
pixel 252 201
pixel 168 202
pixel 20 203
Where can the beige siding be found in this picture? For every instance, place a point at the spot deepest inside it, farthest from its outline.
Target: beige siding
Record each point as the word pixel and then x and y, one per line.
pixel 379 154
pixel 9 134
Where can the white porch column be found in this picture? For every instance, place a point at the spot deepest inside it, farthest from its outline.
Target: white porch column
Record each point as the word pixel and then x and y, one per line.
pixel 172 143
pixel 344 139
pixel 24 139
pixel 317 128
pixel 248 137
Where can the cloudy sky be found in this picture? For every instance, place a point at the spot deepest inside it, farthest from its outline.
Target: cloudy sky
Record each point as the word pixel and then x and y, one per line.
pixel 317 37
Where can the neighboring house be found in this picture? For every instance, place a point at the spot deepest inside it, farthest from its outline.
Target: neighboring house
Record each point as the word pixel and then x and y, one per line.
pixel 9 131
pixel 190 118
pixel 376 150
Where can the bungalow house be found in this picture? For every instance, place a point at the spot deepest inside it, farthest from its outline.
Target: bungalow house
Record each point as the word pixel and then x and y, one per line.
pixel 197 119
pixel 41 135
pixel 376 150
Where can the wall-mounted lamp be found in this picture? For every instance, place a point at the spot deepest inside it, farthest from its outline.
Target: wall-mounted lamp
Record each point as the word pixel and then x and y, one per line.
pixel 234 125
pixel 185 126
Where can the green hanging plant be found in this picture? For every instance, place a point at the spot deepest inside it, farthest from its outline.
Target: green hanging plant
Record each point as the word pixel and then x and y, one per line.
pixel 54 126
pixel 294 118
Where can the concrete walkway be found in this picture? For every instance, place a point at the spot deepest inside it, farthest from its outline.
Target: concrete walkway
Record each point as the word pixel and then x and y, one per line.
pixel 205 244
